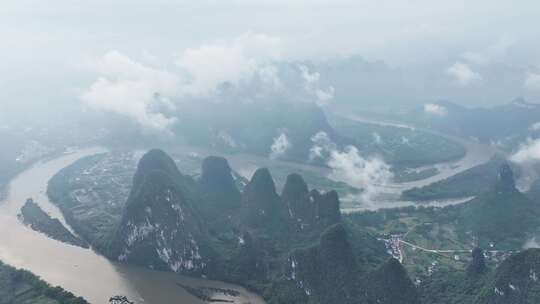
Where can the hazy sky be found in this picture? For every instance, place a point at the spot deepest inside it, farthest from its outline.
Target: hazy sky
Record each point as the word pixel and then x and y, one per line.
pixel 49 49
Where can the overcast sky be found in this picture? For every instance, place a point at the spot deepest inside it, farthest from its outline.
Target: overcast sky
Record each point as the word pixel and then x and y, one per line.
pixel 46 46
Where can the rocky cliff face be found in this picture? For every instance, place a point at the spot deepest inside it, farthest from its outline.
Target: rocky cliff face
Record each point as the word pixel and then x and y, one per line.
pixel 309 208
pixel 327 207
pixel 502 213
pixel 155 160
pixel 318 269
pixel 298 201
pixel 505 180
pixel 390 284
pixel 218 187
pixel 515 281
pixel 159 228
pixel 256 237
pixel 329 273
pixel 262 205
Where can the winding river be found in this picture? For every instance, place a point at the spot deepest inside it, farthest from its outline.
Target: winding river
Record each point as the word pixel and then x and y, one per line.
pixel 83 271
pixel 88 274
pixel 476 153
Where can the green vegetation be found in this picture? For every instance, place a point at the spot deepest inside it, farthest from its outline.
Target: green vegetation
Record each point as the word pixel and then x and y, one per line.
pixel 453 287
pixel 252 127
pixel 92 212
pixel 437 239
pixel 295 247
pixel 159 227
pixel 497 275
pixel 409 175
pixel 514 281
pixel 317 180
pixel 505 124
pixel 22 287
pixel 206 226
pixel 391 274
pixel 92 192
pixel 503 215
pixel 37 219
pixel 401 147
pixel 468 183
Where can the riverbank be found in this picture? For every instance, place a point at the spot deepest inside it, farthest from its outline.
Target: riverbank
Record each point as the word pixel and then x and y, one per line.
pixel 78 270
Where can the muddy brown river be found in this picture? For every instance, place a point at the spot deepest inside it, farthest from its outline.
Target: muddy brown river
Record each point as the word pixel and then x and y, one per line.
pixel 88 274
pixel 83 271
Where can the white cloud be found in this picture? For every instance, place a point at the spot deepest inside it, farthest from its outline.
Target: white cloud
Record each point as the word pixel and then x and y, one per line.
pixel 211 65
pixel 312 86
pixel 535 126
pixel 322 144
pixel 496 52
pixel 131 89
pixel 435 109
pixel 227 139
pixel 463 74
pixel 532 81
pixel 243 69
pixel 531 243
pixel 142 92
pixel 280 146
pixel 377 138
pixel 269 74
pixel 368 174
pixel 528 152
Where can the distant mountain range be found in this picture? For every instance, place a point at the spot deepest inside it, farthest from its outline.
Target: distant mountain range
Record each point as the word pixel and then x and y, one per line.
pixel 253 127
pixel 285 130
pixel 506 124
